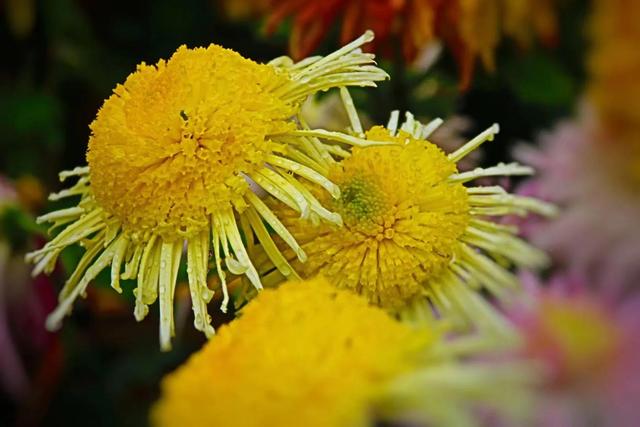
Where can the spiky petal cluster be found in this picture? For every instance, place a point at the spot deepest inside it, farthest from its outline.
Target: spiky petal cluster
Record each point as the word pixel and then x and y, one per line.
pixel 472 29
pixel 309 354
pixel 413 230
pixel 399 228
pixel 172 157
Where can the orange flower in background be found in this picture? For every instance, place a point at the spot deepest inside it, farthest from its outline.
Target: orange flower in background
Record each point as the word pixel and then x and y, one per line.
pixel 615 67
pixel 472 29
pixel 312 20
pixel 615 62
pixel 243 9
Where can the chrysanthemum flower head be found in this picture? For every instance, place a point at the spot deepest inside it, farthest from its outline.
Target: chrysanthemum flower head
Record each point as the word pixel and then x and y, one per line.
pixel 386 210
pixel 614 88
pixel 412 229
pixel 576 337
pixel 472 29
pixel 310 354
pixel 590 178
pixel 177 137
pixel 587 347
pixel 172 156
pixel 614 64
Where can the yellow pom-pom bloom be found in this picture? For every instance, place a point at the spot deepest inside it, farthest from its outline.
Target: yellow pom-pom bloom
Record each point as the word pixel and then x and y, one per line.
pixel 174 156
pixel 412 229
pixel 178 136
pixel 401 226
pixel 309 354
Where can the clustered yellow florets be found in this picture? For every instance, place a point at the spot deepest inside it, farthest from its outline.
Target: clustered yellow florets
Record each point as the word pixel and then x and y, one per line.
pixel 172 157
pixel 305 354
pixel 171 145
pixel 402 220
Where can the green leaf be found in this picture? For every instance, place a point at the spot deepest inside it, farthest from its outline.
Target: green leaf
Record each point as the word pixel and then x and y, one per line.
pixel 540 80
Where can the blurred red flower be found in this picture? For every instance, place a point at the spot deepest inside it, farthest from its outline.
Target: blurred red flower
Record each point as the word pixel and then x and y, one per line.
pixel 472 29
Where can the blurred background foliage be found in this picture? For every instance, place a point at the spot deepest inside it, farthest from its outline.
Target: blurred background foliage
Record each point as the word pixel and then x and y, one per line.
pixel 61 59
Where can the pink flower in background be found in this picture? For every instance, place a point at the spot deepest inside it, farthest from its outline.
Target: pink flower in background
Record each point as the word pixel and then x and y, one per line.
pixel 8 194
pixel 597 231
pixel 13 377
pixel 24 305
pixel 589 350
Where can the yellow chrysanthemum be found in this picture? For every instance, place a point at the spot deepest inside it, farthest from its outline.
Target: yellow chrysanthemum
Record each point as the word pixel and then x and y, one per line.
pixel 413 229
pixel 309 354
pixel 172 157
pixel 386 212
